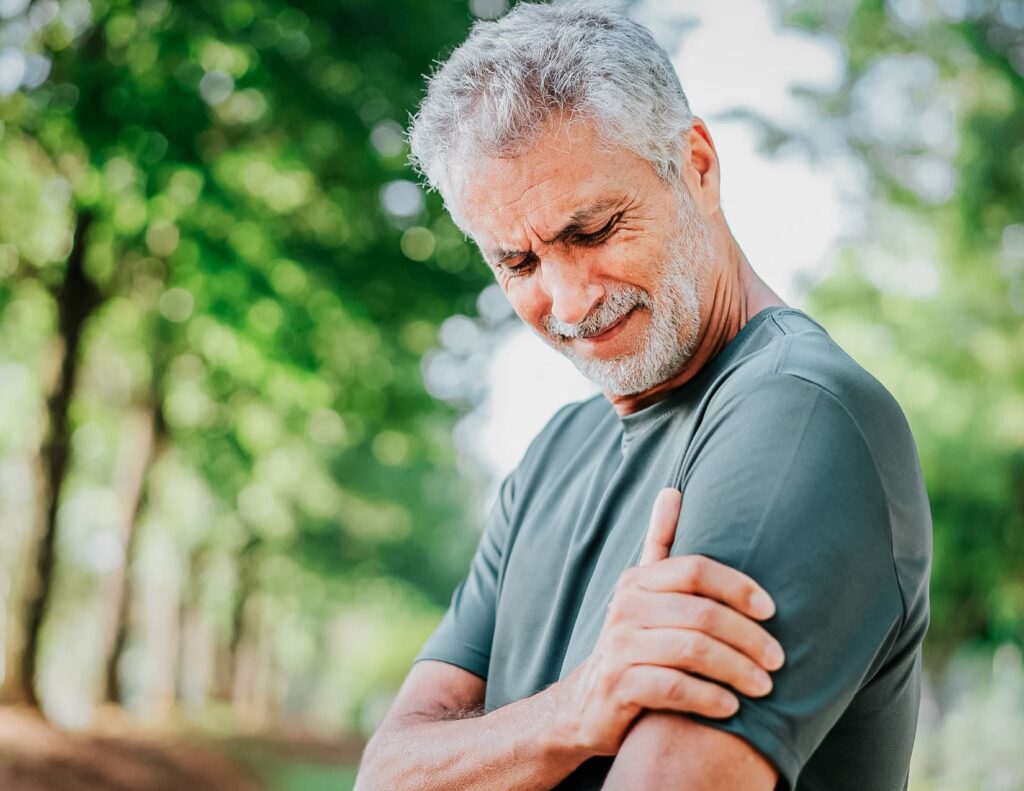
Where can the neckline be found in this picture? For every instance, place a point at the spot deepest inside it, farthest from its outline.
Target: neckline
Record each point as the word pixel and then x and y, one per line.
pixel 642 420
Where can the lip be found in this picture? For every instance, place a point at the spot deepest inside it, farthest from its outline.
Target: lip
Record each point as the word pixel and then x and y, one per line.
pixel 611 332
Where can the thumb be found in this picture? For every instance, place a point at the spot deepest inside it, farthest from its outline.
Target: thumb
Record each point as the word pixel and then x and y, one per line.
pixel 662 530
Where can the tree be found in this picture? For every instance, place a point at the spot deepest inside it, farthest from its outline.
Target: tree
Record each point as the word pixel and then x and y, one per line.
pixel 246 227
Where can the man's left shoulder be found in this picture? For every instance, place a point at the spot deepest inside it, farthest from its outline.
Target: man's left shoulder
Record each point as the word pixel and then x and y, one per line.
pixel 802 405
pixel 803 363
pixel 810 411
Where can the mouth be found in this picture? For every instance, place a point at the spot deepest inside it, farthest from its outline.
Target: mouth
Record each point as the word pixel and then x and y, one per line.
pixel 610 332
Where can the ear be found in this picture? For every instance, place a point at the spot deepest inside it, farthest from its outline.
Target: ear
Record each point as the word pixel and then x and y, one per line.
pixel 698 167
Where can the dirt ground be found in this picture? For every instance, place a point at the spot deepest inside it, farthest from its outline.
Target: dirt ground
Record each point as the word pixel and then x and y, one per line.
pixel 34 756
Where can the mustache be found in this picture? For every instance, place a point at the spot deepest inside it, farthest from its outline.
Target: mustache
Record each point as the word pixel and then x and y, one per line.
pixel 612 308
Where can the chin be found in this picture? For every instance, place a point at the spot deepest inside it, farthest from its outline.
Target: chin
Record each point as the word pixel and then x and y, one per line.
pixel 629 374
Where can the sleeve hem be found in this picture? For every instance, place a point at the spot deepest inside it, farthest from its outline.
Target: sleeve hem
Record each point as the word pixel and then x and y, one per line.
pixel 773 747
pixel 764 736
pixel 459 654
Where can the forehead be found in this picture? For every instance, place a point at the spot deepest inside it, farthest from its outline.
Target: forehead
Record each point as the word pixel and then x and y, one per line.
pixel 505 201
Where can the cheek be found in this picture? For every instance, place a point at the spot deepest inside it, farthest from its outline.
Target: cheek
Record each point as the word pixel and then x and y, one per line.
pixel 637 260
pixel 527 299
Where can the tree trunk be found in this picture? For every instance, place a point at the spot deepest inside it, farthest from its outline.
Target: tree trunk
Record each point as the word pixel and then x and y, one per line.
pixel 229 660
pixel 148 430
pixel 196 651
pixel 18 539
pixel 77 299
pixel 160 599
pixel 252 676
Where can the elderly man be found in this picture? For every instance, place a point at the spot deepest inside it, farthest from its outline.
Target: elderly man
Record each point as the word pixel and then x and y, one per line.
pixel 587 645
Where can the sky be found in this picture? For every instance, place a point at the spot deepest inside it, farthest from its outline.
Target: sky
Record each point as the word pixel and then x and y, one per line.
pixel 786 212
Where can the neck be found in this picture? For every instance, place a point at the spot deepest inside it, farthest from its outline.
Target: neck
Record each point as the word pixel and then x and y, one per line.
pixel 734 293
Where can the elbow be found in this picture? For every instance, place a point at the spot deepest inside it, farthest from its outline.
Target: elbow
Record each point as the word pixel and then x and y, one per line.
pixel 363 774
pixel 388 761
pixel 372 772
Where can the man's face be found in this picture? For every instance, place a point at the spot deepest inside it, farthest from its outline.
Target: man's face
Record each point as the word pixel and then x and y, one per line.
pixel 602 259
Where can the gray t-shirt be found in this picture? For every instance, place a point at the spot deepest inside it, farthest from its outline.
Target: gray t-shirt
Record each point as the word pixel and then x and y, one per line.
pixel 798 468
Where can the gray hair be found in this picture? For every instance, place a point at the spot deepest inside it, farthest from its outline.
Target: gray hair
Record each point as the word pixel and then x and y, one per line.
pixel 585 60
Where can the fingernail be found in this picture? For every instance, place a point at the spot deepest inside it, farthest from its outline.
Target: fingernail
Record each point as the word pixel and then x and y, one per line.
pixel 763 604
pixel 762 682
pixel 773 655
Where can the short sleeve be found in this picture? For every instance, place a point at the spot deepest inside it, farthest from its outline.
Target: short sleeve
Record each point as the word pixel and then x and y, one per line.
pixel 780 483
pixel 464 635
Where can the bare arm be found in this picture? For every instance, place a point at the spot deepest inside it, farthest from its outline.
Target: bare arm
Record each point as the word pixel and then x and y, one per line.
pixel 666 751
pixel 659 634
pixel 436 737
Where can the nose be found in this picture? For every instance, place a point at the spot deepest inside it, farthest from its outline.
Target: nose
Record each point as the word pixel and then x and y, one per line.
pixel 572 292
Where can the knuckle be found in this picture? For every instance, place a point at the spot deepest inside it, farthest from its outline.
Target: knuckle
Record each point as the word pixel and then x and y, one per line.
pixel 613 684
pixel 621 606
pixel 693 572
pixel 705 615
pixel 618 641
pixel 604 685
pixel 694 647
pixel 627 688
pixel 678 690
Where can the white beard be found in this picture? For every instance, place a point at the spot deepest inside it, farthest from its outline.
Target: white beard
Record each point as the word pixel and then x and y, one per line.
pixel 674 326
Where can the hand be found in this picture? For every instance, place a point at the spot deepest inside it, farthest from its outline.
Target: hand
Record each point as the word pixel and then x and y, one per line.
pixel 670 617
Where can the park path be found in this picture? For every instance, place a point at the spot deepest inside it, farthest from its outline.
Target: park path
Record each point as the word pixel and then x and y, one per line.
pixel 34 756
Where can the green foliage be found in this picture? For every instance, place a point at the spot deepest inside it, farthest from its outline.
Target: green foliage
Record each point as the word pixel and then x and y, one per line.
pixel 257 285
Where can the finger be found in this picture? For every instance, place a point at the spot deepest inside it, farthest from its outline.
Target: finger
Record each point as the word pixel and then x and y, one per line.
pixel 706 577
pixel 662 528
pixel 655 687
pixel 695 652
pixel 686 611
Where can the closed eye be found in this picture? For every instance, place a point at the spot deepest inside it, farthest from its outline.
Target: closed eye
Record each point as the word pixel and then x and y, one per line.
pixel 601 234
pixel 522 267
pixel 516 268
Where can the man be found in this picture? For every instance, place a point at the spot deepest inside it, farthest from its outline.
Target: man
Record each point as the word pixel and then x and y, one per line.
pixel 582 648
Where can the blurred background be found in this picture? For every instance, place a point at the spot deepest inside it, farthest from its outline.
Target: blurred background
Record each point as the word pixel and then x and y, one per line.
pixel 256 390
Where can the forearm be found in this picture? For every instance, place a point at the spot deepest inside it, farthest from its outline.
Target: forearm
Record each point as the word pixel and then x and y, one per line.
pixel 520 746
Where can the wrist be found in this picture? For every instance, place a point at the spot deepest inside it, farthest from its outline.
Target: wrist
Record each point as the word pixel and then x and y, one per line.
pixel 562 732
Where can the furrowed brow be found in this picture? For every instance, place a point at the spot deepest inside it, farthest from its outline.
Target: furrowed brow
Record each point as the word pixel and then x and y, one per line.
pixel 582 217
pixel 504 256
pixel 578 221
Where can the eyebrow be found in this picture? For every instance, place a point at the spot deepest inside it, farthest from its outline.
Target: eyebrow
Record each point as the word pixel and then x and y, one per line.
pixel 578 220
